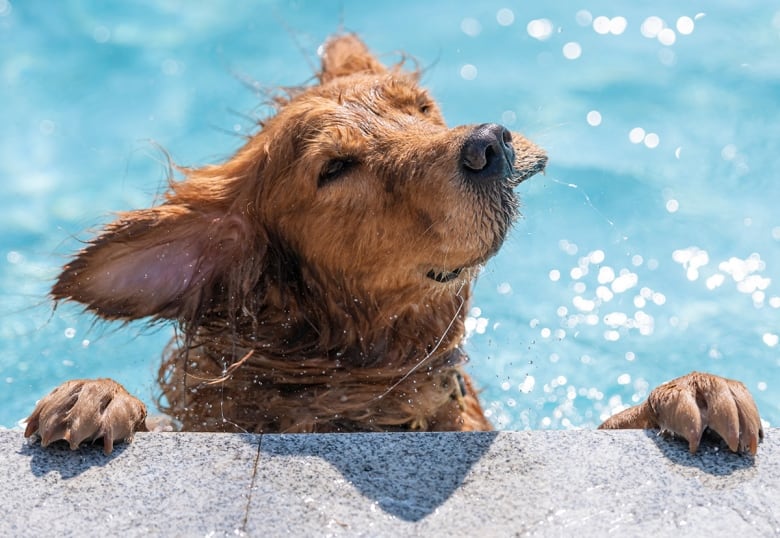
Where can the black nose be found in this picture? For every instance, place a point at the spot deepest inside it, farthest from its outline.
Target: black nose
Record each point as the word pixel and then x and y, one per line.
pixel 487 153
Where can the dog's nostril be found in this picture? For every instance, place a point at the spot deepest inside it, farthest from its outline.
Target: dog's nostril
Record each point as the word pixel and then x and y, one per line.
pixel 506 136
pixel 487 152
pixel 485 156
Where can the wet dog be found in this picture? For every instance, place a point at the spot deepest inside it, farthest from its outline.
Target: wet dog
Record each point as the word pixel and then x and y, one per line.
pixel 319 279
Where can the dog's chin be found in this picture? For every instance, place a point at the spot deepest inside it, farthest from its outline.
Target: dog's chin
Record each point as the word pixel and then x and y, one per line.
pixel 459 274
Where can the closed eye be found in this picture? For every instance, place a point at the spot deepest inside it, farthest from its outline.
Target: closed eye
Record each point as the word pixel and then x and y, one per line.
pixel 424 104
pixel 335 169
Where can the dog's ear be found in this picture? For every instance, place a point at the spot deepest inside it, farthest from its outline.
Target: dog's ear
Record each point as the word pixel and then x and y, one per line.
pixel 346 54
pixel 163 262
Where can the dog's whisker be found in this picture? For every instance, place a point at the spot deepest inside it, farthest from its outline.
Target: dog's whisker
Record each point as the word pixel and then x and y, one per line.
pixel 585 196
pixel 430 354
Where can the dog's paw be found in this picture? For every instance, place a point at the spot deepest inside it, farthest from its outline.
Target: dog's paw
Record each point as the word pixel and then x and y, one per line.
pixel 688 405
pixel 87 410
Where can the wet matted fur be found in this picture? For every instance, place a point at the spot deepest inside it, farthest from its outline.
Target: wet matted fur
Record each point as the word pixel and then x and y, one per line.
pixel 319 279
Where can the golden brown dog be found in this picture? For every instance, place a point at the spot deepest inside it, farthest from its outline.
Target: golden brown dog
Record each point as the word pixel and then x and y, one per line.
pixel 319 279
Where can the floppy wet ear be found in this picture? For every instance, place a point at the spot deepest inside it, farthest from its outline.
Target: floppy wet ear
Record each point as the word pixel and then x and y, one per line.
pixel 163 262
pixel 346 54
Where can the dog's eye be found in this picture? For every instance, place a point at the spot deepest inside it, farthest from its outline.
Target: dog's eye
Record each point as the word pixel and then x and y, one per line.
pixel 425 104
pixel 335 168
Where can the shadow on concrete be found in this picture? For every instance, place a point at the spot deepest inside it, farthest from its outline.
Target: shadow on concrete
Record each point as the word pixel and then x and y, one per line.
pixel 58 457
pixel 713 456
pixel 404 476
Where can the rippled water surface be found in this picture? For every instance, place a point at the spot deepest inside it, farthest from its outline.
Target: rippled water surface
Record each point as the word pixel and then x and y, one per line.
pixel 650 248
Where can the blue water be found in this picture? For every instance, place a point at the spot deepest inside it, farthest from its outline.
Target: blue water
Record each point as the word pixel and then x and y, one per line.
pixel 651 247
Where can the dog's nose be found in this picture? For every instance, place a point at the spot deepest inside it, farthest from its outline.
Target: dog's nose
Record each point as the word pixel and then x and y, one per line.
pixel 487 153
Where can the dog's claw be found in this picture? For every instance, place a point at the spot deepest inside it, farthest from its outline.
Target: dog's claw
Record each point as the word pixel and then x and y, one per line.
pixel 87 410
pixel 691 404
pixel 687 406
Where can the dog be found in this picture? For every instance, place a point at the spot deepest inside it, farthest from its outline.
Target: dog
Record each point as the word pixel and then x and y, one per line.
pixel 319 279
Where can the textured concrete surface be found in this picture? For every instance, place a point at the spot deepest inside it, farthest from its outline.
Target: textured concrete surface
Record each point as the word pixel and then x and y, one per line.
pixel 584 483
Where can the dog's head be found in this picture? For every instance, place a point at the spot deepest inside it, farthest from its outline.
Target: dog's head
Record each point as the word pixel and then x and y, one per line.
pixel 356 180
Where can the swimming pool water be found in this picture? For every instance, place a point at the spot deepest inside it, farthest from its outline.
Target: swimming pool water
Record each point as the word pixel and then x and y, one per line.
pixel 650 248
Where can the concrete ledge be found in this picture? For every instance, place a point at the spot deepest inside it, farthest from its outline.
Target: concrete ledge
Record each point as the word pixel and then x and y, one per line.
pixel 552 483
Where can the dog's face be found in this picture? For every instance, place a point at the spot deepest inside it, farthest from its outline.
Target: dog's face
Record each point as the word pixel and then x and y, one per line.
pixel 358 176
pixel 378 190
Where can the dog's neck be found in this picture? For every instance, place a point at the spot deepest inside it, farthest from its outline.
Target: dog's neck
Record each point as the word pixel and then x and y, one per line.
pixel 356 328
pixel 357 364
pixel 296 313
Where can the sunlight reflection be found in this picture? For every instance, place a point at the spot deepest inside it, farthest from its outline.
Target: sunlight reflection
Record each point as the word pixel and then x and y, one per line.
pixel 471 27
pixel 594 118
pixel 604 25
pixel 572 50
pixel 540 29
pixel 685 25
pixel 505 16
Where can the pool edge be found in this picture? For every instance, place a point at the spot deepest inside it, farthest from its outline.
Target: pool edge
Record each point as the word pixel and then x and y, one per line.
pixel 498 483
